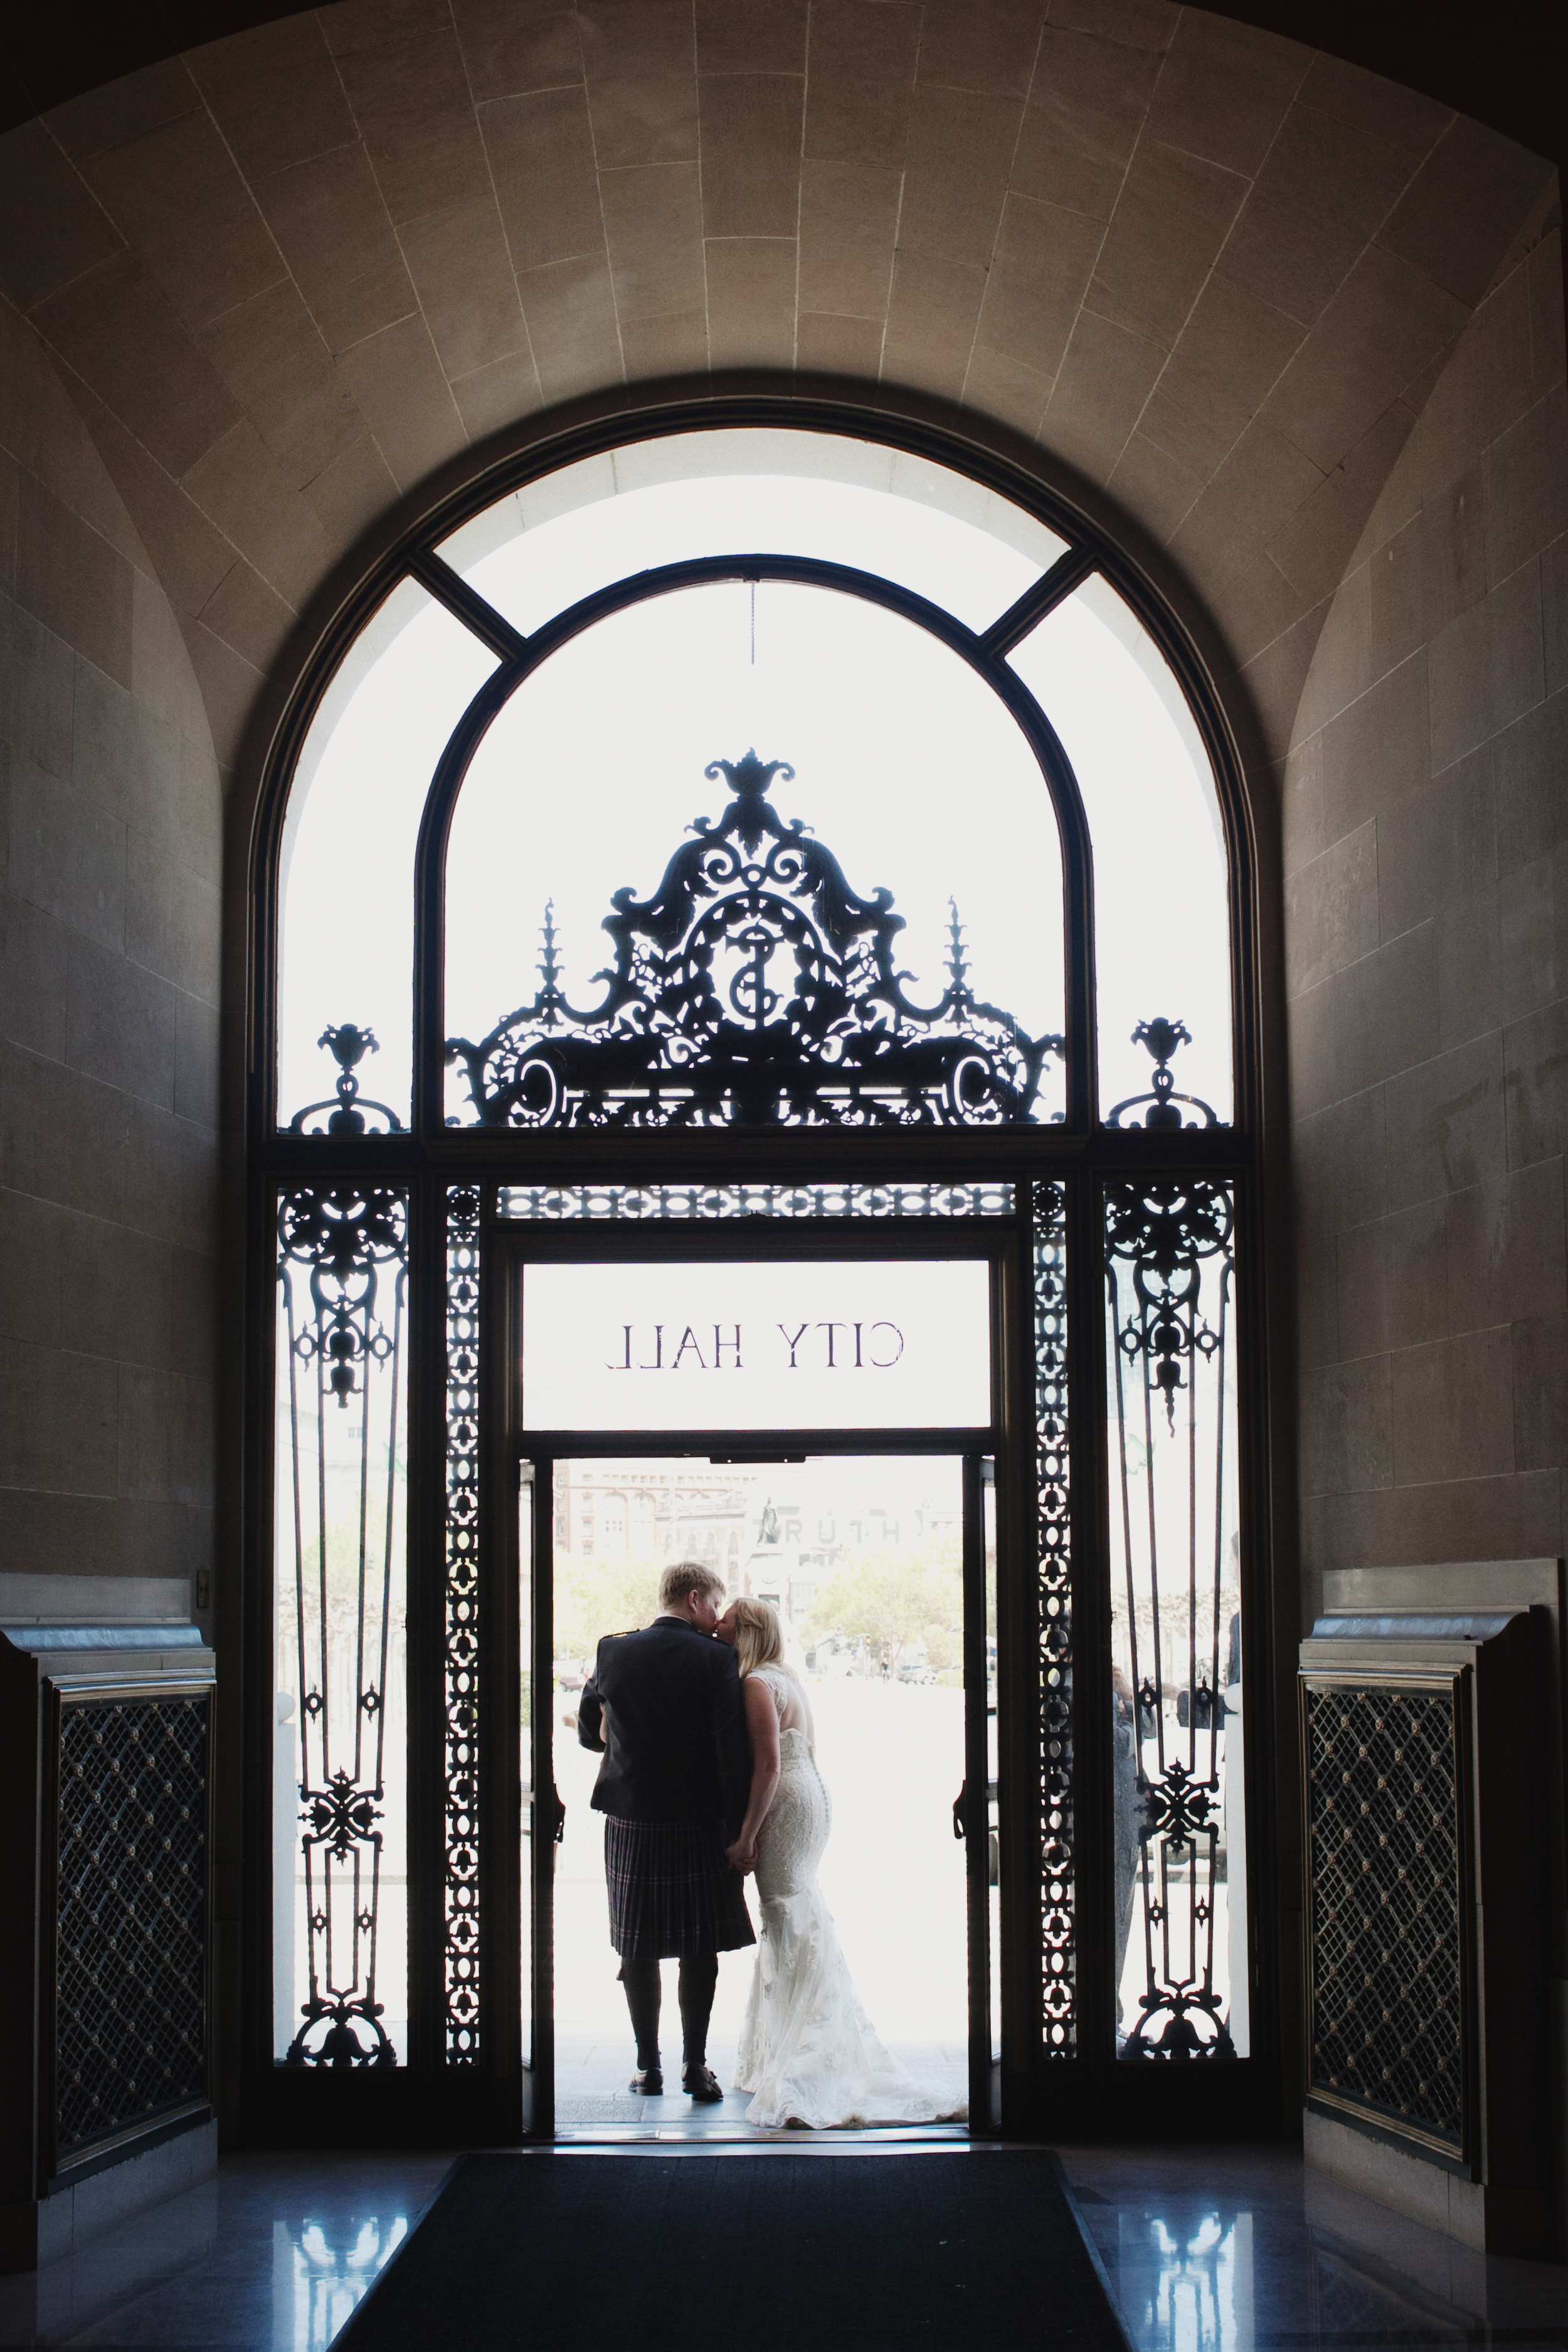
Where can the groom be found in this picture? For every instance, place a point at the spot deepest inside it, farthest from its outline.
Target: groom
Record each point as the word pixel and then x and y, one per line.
pixel 663 1708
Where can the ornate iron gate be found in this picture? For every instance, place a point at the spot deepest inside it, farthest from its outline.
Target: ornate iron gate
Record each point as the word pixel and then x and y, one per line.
pixel 755 1053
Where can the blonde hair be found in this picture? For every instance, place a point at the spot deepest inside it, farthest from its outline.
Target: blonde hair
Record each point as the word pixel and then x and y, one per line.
pixel 758 1635
pixel 684 1576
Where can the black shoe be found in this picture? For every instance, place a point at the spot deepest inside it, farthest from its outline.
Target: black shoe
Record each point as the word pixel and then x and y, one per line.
pixel 702 2084
pixel 648 2080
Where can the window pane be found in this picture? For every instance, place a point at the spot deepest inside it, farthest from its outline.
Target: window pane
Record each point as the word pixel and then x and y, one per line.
pixel 542 549
pixel 907 770
pixel 1161 919
pixel 346 928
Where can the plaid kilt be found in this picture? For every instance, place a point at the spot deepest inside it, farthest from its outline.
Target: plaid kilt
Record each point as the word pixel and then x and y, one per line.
pixel 672 1894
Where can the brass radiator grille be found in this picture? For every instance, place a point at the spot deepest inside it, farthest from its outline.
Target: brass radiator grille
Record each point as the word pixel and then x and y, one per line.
pixel 131 1918
pixel 1386 1923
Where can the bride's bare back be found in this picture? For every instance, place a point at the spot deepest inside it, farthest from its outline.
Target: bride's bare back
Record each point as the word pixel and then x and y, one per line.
pixel 790 1701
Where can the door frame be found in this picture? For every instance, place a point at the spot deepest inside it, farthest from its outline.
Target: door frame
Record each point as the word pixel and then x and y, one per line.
pixel 994 1242
pixel 547 1815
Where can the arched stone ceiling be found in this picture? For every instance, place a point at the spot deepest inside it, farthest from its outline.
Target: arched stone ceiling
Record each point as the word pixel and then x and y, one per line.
pixel 1211 273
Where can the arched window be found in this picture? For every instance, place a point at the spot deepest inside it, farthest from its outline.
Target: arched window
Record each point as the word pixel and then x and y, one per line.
pixel 776 824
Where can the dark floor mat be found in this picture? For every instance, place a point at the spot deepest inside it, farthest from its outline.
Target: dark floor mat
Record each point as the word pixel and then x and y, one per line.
pixel 780 2252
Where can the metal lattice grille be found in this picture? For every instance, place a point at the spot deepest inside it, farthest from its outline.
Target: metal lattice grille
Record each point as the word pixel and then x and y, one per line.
pixel 130 2005
pixel 1387 1918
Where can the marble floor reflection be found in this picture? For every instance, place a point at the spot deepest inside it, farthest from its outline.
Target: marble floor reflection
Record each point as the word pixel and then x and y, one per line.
pixel 270 2256
pixel 1223 2249
pixel 1206 2250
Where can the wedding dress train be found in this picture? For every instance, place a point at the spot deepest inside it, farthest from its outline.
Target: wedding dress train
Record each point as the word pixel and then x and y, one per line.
pixel 808 2052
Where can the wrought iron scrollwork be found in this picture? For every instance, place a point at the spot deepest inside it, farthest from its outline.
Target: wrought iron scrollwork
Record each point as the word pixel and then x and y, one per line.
pixel 754 988
pixel 342 1258
pixel 348 1113
pixel 1052 1496
pixel 561 1203
pixel 344 1238
pixel 1169 1270
pixel 1164 1232
pixel 461 1909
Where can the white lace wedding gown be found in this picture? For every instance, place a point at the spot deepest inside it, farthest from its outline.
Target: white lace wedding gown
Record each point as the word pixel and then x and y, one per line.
pixel 807 2050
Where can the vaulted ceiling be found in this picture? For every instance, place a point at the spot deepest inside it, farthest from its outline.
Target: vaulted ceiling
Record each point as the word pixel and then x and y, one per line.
pixel 292 275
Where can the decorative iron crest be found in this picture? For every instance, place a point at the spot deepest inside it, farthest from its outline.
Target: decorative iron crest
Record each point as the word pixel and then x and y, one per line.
pixel 754 988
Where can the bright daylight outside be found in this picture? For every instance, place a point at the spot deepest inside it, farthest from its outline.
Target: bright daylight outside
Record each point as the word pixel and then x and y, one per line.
pixel 861 1556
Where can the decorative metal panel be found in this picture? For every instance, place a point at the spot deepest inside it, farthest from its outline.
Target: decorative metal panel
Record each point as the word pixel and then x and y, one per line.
pixel 561 1203
pixel 1386 1894
pixel 131 1950
pixel 754 988
pixel 342 1273
pixel 1052 1495
pixel 460 1915
pixel 1170 1268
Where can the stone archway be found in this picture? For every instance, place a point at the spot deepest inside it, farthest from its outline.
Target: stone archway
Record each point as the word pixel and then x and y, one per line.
pixel 1290 332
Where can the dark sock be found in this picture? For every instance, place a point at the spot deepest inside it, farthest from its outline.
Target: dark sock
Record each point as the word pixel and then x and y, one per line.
pixel 640 1979
pixel 698 1982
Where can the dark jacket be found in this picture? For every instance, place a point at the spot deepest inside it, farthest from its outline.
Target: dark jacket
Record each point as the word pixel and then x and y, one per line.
pixel 663 1708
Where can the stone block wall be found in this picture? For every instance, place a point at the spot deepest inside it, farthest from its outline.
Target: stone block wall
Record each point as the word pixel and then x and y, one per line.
pixel 109 1021
pixel 1427 923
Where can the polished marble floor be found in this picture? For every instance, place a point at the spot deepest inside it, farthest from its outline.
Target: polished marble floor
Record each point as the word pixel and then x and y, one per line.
pixel 1206 2250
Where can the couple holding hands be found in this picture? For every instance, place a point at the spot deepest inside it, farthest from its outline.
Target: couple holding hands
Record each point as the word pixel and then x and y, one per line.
pixel 709 1774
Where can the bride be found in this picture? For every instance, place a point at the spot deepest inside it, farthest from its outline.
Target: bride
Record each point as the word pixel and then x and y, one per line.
pixel 807 2050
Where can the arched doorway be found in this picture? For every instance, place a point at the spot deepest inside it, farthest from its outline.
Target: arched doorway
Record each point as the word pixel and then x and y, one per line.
pixel 939 993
